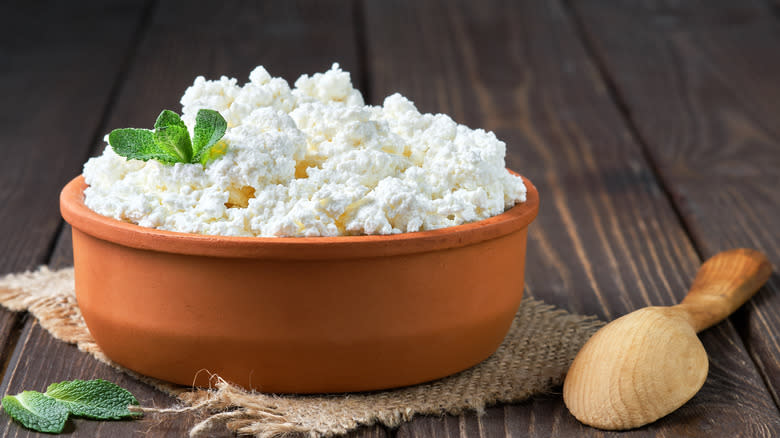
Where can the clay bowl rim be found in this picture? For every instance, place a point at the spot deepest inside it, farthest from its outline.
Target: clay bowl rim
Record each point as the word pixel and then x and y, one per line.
pixel 76 213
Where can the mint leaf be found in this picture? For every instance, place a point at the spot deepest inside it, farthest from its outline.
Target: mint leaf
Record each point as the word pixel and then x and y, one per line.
pixel 175 141
pixel 36 411
pixel 98 399
pixel 168 118
pixel 48 412
pixel 171 135
pixel 210 126
pixel 139 144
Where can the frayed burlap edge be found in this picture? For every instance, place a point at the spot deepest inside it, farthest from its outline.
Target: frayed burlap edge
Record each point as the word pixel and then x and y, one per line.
pixel 532 359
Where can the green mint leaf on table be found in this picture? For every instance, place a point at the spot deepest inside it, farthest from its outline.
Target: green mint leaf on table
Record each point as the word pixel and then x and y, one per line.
pixel 48 412
pixel 170 142
pixel 209 128
pixel 36 411
pixel 98 399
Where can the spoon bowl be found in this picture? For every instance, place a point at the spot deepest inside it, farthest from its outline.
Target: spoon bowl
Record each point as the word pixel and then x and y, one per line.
pixel 659 336
pixel 648 363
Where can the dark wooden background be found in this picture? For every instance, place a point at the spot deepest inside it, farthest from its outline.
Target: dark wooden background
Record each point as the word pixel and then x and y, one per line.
pixel 651 128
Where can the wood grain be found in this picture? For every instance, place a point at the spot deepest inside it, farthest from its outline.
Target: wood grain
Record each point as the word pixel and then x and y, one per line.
pixel 607 239
pixel 55 87
pixel 699 81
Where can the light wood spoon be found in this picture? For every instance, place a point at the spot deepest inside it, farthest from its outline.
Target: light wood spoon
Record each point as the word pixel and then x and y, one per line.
pixel 648 363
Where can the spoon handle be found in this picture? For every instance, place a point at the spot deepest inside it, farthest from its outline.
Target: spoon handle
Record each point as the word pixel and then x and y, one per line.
pixel 723 283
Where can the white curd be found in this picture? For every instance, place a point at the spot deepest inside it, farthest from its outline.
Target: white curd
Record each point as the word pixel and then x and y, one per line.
pixel 311 161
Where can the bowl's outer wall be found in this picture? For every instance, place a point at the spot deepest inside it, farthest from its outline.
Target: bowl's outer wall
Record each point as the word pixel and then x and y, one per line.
pixel 299 326
pixel 375 313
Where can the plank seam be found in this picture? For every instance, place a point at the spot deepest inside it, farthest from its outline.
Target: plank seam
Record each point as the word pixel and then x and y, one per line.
pixel 19 322
pixel 740 318
pixel 774 8
pixel 144 23
pixel 52 246
pixel 359 22
pixel 625 113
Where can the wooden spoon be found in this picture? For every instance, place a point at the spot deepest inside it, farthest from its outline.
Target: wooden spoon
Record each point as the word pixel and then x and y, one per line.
pixel 648 363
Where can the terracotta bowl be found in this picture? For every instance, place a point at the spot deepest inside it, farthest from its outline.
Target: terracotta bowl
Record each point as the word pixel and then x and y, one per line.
pixel 302 315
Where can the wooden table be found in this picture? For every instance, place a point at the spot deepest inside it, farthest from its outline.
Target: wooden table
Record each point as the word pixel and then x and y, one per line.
pixel 652 130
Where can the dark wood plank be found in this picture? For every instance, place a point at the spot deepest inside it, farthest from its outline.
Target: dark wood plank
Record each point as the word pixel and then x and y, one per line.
pixel 59 65
pixel 58 70
pixel 607 239
pixel 289 38
pixel 702 90
pixel 546 416
pixel 774 5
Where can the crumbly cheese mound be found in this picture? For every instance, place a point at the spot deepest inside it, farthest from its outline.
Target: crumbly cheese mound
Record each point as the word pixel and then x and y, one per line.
pixel 311 161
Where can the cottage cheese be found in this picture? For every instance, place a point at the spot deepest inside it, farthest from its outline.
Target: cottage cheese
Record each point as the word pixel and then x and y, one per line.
pixel 311 161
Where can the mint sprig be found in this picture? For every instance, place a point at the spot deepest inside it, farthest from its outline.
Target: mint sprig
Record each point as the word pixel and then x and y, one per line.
pixel 48 411
pixel 170 142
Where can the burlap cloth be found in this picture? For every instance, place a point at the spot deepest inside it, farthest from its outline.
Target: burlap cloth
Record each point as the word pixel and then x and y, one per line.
pixel 533 359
